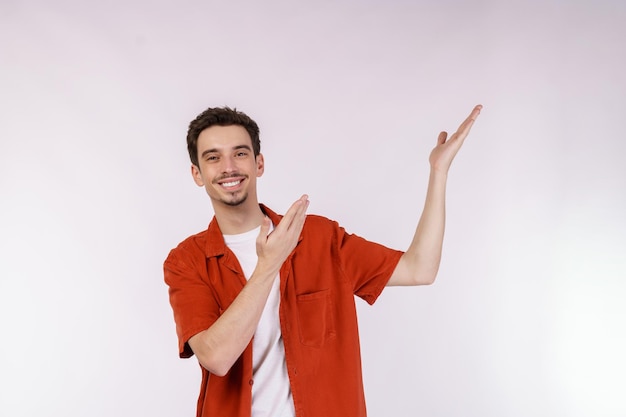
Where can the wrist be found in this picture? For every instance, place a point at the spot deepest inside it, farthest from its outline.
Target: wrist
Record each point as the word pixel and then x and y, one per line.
pixel 265 271
pixel 438 173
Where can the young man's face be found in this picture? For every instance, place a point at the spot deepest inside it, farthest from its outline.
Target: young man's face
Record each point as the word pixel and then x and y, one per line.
pixel 227 166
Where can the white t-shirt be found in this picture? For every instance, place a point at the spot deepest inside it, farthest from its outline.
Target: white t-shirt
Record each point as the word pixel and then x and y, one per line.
pixel 271 391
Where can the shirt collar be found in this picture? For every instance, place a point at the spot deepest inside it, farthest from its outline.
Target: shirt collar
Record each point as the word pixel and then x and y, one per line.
pixel 215 245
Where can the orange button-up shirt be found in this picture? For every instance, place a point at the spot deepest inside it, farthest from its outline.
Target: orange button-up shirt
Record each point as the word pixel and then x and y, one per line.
pixel 318 320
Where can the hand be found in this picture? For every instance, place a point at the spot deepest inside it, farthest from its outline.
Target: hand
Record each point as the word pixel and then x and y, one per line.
pixel 276 247
pixel 443 154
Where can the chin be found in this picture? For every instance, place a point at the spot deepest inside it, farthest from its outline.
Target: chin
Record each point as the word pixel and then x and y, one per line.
pixel 235 202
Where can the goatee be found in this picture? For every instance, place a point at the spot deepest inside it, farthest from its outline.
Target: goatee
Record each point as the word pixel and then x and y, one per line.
pixel 237 202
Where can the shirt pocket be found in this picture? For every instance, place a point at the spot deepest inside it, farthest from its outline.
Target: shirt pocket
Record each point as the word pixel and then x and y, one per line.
pixel 315 315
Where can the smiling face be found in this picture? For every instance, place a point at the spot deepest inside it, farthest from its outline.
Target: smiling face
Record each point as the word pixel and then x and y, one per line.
pixel 227 167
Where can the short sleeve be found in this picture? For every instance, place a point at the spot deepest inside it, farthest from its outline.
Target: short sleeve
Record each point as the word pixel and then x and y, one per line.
pixel 367 265
pixel 192 300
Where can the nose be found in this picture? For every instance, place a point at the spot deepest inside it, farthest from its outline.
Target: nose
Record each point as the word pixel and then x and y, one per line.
pixel 228 164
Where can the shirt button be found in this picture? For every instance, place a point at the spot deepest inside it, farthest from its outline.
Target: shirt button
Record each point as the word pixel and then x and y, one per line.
pixel 251 382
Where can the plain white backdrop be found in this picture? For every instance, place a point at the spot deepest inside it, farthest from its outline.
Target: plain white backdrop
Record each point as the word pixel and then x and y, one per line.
pixel 527 317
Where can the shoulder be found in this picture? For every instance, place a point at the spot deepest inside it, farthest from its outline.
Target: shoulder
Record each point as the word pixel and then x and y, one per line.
pixel 319 229
pixel 190 248
pixel 315 222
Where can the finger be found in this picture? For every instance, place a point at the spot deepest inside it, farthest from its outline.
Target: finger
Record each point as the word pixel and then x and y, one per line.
pixel 467 123
pixel 441 139
pixel 298 219
pixel 476 111
pixel 298 222
pixel 297 208
pixel 466 126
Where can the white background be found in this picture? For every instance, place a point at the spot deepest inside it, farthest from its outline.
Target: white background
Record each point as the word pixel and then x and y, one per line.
pixel 527 317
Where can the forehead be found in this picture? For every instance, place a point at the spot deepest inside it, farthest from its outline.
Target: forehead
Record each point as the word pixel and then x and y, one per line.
pixel 223 138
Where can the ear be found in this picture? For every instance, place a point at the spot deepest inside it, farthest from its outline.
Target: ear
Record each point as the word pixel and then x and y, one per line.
pixel 260 165
pixel 197 177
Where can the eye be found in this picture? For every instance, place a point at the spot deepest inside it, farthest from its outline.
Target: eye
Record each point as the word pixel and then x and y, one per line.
pixel 241 154
pixel 211 158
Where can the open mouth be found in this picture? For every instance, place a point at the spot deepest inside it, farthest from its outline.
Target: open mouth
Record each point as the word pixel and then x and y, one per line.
pixel 231 184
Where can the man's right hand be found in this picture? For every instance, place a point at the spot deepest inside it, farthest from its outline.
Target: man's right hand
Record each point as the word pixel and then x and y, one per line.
pixel 274 248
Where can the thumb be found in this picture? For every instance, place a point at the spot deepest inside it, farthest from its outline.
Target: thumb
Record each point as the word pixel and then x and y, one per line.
pixel 261 239
pixel 265 228
pixel 441 139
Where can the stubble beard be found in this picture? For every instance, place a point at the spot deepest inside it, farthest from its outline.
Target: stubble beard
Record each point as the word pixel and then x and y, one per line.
pixel 235 201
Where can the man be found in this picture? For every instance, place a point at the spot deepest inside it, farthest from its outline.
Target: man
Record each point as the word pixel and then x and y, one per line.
pixel 266 303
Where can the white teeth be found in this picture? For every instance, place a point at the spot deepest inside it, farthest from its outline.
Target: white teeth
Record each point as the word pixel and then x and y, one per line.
pixel 230 184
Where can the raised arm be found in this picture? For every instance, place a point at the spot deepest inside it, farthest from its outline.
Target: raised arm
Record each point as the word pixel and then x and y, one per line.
pixel 420 263
pixel 218 347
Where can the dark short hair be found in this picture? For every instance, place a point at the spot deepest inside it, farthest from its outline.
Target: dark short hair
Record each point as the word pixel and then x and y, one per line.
pixel 220 116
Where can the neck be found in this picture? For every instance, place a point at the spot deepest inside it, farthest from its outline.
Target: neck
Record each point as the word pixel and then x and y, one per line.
pixel 234 220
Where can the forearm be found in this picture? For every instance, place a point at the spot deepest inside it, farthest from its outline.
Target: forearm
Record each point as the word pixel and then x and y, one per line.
pixel 425 249
pixel 420 263
pixel 218 347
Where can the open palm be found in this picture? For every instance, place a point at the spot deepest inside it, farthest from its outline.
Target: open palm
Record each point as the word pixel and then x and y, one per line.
pixel 443 154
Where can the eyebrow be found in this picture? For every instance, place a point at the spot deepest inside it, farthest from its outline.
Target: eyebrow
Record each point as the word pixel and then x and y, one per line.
pixel 215 150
